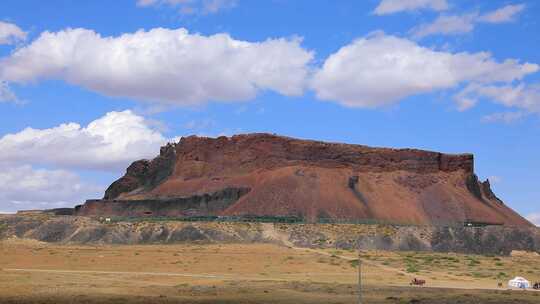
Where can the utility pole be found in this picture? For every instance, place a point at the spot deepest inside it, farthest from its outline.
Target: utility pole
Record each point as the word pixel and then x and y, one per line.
pixel 359 279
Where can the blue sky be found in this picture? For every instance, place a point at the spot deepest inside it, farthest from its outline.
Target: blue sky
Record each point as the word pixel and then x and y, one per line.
pixel 88 86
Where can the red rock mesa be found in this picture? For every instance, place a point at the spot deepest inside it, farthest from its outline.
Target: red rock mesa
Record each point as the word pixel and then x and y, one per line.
pixel 269 175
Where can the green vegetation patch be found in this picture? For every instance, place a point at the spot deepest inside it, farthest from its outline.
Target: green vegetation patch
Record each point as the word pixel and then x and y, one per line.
pixel 3 228
pixel 473 262
pixel 412 268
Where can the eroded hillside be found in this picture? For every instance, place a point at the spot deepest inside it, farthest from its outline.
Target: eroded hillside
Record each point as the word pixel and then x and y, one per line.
pixel 84 230
pixel 269 175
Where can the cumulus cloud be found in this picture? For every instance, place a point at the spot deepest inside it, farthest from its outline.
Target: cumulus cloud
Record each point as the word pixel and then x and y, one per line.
pixel 461 24
pixel 534 218
pixel 11 33
pixel 446 25
pixel 381 69
pixel 109 143
pixel 24 187
pixel 520 96
pixel 164 66
pixel 191 6
pixel 394 6
pixel 503 14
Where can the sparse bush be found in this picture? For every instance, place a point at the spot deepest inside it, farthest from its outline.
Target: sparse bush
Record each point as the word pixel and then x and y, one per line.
pixel 480 275
pixel 428 259
pixel 3 228
pixel 450 259
pixel 412 269
pixel 473 263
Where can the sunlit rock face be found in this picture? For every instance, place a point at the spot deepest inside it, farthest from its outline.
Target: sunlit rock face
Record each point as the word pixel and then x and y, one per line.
pixel 270 175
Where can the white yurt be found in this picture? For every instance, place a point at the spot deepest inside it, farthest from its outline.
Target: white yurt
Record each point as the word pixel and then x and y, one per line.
pixel 519 282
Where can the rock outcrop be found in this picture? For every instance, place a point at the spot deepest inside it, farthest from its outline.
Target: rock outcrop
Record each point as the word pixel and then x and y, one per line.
pixel 498 240
pixel 307 179
pixel 144 174
pixel 196 205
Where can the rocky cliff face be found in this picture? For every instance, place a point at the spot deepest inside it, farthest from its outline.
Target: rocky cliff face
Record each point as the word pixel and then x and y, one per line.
pixel 195 205
pixel 311 179
pixel 143 174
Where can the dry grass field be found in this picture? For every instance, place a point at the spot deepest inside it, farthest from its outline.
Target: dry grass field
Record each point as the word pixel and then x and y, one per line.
pixel 34 272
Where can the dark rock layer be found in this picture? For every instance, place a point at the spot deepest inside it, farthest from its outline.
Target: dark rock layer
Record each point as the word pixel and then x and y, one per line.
pixel 144 174
pixel 196 205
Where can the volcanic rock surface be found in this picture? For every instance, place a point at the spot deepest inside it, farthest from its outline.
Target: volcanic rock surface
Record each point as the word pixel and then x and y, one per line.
pixel 269 175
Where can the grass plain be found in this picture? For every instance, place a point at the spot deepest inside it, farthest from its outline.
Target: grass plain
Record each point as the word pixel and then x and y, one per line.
pixel 34 272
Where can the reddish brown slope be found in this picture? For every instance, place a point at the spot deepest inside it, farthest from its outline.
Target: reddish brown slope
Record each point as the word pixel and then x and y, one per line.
pixel 313 179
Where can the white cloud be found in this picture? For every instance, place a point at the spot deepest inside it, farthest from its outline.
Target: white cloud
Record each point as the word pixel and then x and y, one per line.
pixel 191 6
pixel 461 24
pixel 521 96
pixel 144 3
pixel 6 95
pixel 504 117
pixel 24 187
pixel 534 218
pixel 109 143
pixel 445 25
pixel 381 69
pixel 202 124
pixel 213 6
pixel 10 33
pixel 394 6
pixel 164 66
pixel 504 14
